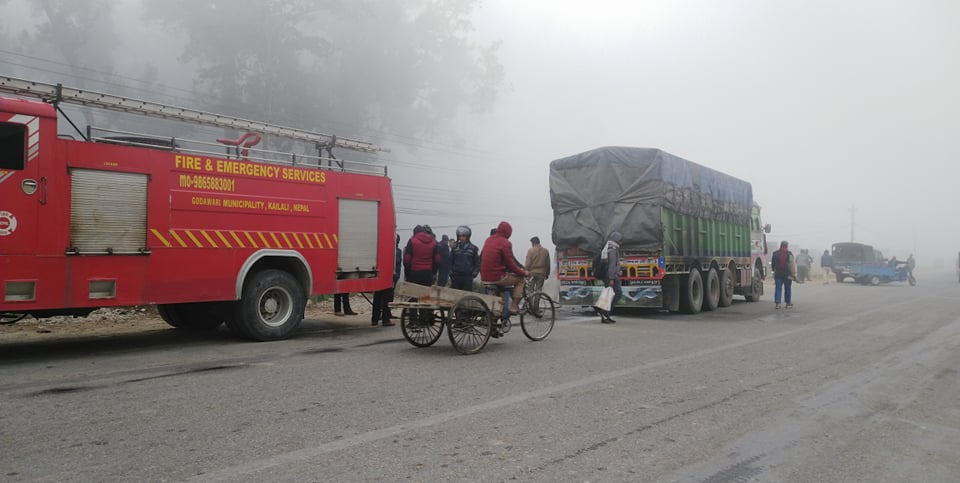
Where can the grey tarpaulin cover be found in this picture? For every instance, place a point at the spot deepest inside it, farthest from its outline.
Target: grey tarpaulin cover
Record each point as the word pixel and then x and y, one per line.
pixel 622 189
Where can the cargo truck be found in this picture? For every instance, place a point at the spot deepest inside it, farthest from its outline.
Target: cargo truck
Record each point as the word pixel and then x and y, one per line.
pixel 692 236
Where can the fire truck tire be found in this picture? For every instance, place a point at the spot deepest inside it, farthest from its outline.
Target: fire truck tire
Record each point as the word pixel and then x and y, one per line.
pixel 271 306
pixel 692 296
pixel 727 286
pixel 711 290
pixel 192 317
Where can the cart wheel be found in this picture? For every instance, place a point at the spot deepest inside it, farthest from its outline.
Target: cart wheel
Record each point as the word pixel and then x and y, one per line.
pixel 421 327
pixel 471 324
pixel 537 316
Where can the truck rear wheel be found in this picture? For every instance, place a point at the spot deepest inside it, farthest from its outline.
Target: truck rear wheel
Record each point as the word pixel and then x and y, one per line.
pixel 193 317
pixel 727 287
pixel 756 285
pixel 271 307
pixel 840 278
pixel 692 298
pixel 711 290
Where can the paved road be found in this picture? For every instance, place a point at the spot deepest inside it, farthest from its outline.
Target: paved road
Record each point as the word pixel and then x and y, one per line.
pixel 854 384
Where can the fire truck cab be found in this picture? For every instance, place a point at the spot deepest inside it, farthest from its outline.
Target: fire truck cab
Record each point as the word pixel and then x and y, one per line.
pixel 209 233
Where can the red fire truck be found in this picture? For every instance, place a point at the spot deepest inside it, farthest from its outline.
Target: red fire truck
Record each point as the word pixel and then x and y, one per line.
pixel 213 231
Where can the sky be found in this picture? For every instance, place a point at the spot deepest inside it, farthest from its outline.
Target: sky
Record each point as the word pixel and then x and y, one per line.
pixel 842 115
pixel 833 111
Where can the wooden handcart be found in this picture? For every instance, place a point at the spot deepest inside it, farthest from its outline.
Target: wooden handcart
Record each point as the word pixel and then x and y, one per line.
pixel 471 318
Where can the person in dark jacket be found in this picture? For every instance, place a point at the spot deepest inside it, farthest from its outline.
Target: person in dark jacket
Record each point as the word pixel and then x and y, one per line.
pixel 826 266
pixel 611 254
pixel 421 259
pixel 784 271
pixel 443 272
pixel 499 267
pixel 464 261
pixel 382 298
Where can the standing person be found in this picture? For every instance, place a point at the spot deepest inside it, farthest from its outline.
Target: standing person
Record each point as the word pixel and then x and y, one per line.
pixel 421 259
pixel 464 260
pixel 342 300
pixel 611 254
pixel 826 265
pixel 382 298
pixel 784 270
pixel 443 272
pixel 538 263
pixel 498 267
pixel 804 261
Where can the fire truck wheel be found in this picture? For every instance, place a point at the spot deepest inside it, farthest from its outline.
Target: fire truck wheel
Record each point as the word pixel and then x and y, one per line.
pixel 271 307
pixel 193 317
pixel 692 297
pixel 711 290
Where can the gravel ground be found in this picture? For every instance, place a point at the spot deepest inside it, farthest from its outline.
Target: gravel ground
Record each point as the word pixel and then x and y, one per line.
pixel 121 320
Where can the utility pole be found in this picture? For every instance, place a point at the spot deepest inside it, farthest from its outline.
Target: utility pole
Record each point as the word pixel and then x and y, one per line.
pixel 853 210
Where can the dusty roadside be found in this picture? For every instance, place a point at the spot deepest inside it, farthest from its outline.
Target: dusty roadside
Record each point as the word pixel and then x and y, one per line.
pixel 127 320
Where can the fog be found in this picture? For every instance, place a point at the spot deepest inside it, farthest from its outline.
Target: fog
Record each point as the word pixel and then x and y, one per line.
pixel 842 115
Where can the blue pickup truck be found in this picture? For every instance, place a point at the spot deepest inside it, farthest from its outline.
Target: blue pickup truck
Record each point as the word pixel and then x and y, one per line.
pixel 866 265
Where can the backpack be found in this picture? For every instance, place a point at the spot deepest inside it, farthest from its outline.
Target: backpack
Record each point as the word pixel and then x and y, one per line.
pixel 599 268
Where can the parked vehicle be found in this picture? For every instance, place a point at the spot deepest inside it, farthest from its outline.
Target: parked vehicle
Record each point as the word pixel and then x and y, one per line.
pixel 692 236
pixel 866 265
pixel 885 273
pixel 850 258
pixel 212 232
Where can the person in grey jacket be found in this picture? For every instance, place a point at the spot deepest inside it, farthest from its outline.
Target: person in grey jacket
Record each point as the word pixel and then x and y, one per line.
pixel 611 253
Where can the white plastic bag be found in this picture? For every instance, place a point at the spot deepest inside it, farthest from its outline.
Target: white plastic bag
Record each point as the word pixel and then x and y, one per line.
pixel 605 300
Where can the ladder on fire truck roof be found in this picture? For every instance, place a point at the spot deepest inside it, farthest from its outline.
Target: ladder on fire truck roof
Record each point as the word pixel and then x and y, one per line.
pixel 56 93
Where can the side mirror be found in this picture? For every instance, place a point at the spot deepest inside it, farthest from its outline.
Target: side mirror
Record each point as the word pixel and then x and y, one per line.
pixel 766 228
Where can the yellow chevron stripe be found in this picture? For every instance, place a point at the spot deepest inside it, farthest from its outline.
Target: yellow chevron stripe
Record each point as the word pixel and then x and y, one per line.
pixel 336 239
pixel 178 239
pixel 212 243
pixel 237 239
pixel 160 237
pixel 223 239
pixel 286 239
pixel 301 240
pixel 197 242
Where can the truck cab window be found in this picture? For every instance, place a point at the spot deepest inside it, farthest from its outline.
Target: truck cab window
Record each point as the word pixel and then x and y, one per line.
pixel 13 142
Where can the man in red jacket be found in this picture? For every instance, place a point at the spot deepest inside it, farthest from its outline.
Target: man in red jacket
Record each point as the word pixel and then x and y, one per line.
pixel 498 266
pixel 421 259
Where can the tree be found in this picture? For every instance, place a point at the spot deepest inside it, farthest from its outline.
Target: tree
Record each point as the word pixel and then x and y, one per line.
pixel 349 68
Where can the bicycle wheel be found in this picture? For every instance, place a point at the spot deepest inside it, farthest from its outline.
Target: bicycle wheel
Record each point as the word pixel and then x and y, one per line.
pixel 421 327
pixel 471 324
pixel 537 316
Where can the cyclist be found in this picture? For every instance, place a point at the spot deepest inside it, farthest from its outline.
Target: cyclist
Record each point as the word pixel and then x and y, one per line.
pixel 498 267
pixel 465 260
